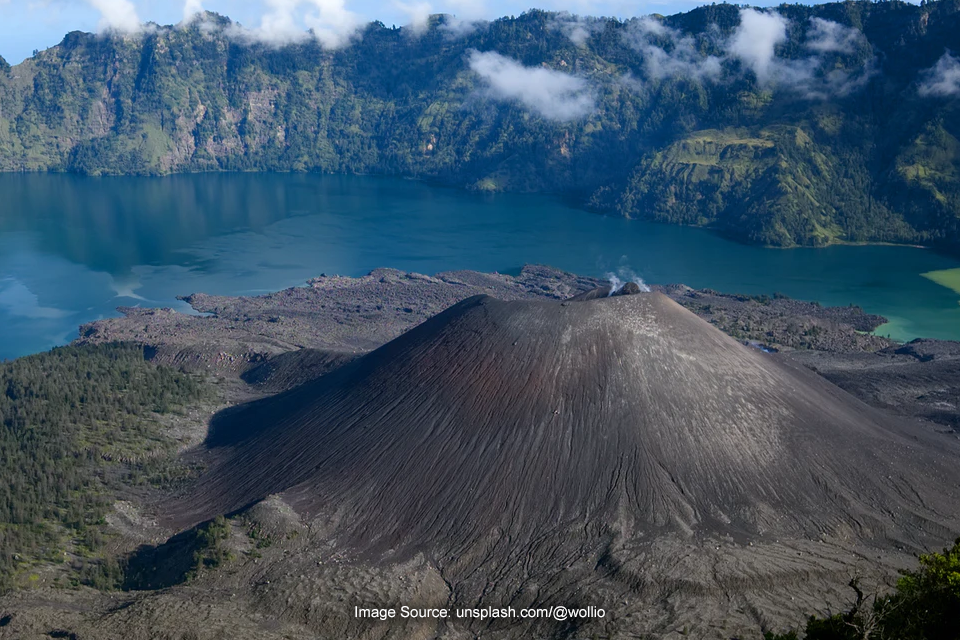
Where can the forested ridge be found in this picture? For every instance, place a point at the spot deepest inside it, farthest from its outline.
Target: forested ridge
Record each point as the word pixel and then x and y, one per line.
pixel 76 423
pixel 840 133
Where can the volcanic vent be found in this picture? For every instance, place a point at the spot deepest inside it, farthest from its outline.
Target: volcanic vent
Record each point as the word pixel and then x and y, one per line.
pixel 609 416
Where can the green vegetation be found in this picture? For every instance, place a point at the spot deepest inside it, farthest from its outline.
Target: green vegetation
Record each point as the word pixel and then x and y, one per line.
pixel 211 547
pixel 77 422
pixel 182 558
pixel 775 186
pixel 262 539
pixel 767 165
pixel 924 606
pixel 949 278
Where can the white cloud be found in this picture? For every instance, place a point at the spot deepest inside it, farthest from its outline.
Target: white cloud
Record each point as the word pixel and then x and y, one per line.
pixel 648 25
pixel 289 21
pixel 191 9
pixel 117 15
pixel 578 33
pixel 463 17
pixel 631 82
pixel 278 26
pixel 942 79
pixel 843 83
pixel 553 94
pixel 669 53
pixel 418 14
pixel 756 39
pixel 826 36
pixel 332 24
pixel 577 29
pixel 683 59
pixel 458 28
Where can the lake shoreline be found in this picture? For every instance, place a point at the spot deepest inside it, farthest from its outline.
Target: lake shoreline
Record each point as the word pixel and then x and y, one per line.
pixel 279 340
pixel 236 234
pixel 386 302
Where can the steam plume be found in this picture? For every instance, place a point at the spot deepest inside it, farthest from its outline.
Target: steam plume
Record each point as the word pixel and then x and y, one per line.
pixel 622 277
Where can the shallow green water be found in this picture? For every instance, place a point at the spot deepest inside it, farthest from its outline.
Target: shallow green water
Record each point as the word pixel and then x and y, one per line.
pixel 72 248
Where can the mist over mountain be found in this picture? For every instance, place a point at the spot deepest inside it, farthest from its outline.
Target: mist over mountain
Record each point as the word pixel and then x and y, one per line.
pixel 801 125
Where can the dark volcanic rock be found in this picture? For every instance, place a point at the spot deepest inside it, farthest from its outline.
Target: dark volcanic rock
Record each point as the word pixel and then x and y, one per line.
pixel 783 322
pixel 608 291
pixel 615 452
pixel 927 350
pixel 920 379
pixel 331 313
pixel 293 368
pixel 628 289
pixel 532 418
pixel 355 315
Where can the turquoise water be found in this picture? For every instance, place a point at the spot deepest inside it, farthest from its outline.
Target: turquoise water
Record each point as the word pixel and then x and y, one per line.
pixel 74 248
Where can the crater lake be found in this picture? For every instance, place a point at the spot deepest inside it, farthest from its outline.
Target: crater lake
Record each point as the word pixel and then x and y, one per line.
pixel 74 248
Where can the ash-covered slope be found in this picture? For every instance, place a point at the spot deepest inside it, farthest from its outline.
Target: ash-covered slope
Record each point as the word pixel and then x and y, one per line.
pixel 609 417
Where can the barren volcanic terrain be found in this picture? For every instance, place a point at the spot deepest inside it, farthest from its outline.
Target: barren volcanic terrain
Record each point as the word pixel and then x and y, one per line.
pixel 516 444
pixel 629 413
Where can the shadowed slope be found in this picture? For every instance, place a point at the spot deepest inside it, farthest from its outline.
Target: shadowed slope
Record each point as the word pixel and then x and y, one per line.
pixel 615 416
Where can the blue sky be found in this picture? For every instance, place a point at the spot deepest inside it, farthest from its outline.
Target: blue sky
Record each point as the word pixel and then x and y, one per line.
pixel 26 25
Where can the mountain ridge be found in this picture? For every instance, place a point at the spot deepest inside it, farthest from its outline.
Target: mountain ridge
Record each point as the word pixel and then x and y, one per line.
pixel 644 117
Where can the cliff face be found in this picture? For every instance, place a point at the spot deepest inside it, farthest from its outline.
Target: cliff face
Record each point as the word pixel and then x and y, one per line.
pixel 843 134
